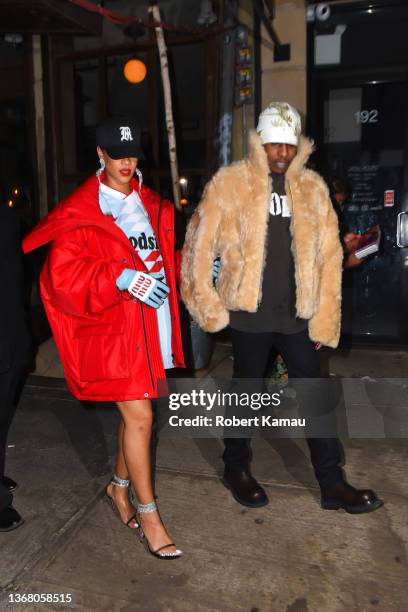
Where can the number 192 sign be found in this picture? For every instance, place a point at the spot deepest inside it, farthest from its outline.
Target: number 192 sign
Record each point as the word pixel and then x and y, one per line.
pixel 367 116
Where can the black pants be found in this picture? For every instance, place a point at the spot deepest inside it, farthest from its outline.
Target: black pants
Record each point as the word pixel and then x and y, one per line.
pixel 6 498
pixel 9 388
pixel 252 352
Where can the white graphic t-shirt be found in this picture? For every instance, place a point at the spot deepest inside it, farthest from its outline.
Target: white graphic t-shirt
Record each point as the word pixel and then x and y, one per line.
pixel 131 216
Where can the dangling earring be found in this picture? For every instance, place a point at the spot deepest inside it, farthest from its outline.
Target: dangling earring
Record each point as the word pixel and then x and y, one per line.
pixel 140 177
pixel 101 169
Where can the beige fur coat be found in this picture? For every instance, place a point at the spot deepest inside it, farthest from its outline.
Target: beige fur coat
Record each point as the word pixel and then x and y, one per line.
pixel 231 222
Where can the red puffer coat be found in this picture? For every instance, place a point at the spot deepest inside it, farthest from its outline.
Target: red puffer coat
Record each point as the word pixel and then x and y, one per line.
pixel 108 343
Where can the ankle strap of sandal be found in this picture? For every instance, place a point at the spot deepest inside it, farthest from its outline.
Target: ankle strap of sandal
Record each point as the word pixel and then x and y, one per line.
pixel 151 507
pixel 120 482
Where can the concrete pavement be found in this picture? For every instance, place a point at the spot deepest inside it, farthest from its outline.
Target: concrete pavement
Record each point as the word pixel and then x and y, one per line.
pixel 289 556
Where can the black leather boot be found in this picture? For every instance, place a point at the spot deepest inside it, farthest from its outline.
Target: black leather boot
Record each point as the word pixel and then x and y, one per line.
pixel 10 519
pixel 245 489
pixel 355 501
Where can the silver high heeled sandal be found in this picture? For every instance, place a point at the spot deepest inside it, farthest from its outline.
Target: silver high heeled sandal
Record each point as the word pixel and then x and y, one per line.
pixel 121 482
pixel 152 507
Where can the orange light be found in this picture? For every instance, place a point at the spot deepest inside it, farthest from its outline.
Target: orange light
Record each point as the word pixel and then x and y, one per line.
pixel 134 71
pixel 10 203
pixel 183 201
pixel 16 191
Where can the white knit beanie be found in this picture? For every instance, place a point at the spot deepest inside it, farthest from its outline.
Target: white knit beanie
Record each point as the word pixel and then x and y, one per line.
pixel 279 123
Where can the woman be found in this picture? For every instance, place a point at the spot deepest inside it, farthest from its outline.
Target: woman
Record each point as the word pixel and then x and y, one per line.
pixel 109 290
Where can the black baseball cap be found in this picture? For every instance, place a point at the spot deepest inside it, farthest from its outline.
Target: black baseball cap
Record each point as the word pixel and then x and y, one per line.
pixel 120 137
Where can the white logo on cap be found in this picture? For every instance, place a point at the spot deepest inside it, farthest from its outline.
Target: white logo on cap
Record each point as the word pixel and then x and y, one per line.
pixel 125 133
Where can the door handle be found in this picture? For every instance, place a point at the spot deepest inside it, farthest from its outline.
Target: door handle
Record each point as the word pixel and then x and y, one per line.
pixel 402 229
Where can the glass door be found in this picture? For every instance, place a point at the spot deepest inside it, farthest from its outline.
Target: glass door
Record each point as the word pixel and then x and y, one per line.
pixel 362 140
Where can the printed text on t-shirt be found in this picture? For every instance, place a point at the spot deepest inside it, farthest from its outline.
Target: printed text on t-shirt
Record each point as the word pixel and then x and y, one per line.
pixel 143 242
pixel 278 205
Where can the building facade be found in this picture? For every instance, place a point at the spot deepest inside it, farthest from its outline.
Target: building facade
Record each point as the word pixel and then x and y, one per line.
pixel 341 63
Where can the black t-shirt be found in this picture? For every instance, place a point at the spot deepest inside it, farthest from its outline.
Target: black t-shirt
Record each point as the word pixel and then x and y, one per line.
pixel 276 312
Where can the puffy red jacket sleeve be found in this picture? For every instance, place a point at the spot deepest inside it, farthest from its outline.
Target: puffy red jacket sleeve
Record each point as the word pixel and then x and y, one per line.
pixel 78 281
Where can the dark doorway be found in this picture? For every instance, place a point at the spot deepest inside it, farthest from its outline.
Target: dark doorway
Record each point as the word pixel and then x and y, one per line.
pixel 363 140
pixel 358 117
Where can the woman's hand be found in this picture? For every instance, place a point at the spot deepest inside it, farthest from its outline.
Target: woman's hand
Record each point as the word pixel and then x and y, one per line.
pixel 148 288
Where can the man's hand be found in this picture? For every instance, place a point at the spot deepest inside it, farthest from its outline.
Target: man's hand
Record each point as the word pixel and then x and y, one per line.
pixel 216 269
pixel 352 261
pixel 148 288
pixel 351 242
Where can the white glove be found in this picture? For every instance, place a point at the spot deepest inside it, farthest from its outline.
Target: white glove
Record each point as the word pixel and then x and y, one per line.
pixel 148 288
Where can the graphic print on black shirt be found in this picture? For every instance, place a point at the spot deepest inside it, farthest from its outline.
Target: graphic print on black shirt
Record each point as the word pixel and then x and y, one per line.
pixel 276 312
pixel 278 206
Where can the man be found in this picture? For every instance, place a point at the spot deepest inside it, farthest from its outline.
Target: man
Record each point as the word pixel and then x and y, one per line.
pixel 14 345
pixel 350 241
pixel 271 222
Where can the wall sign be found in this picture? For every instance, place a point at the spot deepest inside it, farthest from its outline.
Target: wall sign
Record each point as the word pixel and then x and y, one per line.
pixel 389 199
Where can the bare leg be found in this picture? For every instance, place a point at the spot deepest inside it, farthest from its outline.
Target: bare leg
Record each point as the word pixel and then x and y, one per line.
pixel 120 495
pixel 121 467
pixel 138 419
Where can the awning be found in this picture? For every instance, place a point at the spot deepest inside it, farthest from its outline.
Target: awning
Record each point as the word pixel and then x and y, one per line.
pixel 47 17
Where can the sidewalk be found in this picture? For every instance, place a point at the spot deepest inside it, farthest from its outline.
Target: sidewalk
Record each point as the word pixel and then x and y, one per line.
pixel 289 556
